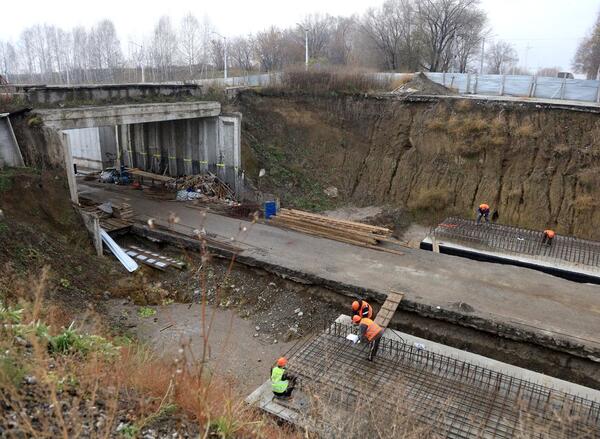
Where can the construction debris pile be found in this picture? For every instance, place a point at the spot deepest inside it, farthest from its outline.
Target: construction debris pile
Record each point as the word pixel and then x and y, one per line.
pixel 201 187
pixel 112 217
pixel 349 232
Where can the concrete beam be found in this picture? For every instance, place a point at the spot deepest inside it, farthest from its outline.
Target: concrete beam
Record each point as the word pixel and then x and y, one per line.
pixel 86 117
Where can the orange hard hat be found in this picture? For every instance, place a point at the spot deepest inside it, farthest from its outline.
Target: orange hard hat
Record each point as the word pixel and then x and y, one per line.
pixel 356 319
pixel 355 305
pixel 550 233
pixel 282 362
pixel 484 206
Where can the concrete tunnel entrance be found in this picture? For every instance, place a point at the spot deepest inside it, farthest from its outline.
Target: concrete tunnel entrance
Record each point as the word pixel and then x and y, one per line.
pixel 172 139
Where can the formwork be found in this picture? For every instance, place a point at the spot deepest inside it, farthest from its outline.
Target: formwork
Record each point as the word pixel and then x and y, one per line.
pixel 566 252
pixel 455 398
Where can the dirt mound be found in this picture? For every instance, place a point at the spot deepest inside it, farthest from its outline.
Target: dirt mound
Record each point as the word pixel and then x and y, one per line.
pixel 421 84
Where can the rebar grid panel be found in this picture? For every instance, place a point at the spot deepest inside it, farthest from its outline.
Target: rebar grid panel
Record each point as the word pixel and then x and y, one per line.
pixel 565 250
pixel 459 399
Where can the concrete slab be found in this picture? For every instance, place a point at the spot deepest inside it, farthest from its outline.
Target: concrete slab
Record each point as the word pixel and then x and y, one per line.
pixel 87 117
pixel 513 302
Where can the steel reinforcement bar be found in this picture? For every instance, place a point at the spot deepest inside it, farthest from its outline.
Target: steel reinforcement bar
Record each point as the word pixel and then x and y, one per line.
pixel 459 399
pixel 565 250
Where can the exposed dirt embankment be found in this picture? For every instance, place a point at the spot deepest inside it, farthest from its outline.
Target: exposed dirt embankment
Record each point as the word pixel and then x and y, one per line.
pixel 538 167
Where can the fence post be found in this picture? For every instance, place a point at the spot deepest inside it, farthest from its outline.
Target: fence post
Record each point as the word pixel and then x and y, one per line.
pixel 598 94
pixel 502 85
pixel 562 88
pixel 476 81
pixel 532 86
pixel 468 83
pixel 444 78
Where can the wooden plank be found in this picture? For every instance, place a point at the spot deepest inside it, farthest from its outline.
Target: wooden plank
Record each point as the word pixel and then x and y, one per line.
pixel 367 239
pixel 144 174
pixel 379 229
pixel 309 231
pixel 388 309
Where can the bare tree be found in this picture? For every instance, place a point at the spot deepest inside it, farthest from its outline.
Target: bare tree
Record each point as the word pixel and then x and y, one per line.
pixel 190 41
pixel 441 22
pixel 467 41
pixel 390 29
pixel 164 47
pixel 217 52
pixel 8 59
pixel 269 49
pixel 242 52
pixel 500 57
pixel 318 29
pixel 551 72
pixel 587 57
pixel 340 41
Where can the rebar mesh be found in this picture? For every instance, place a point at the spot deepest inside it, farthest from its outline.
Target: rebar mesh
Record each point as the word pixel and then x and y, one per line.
pixel 565 251
pixel 458 399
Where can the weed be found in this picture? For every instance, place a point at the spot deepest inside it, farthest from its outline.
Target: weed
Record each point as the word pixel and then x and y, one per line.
pixel 333 81
pixel 526 130
pixel 430 199
pixel 145 311
pixel 463 105
pixel 34 121
pixel 3 227
pixel 10 315
pixel 129 431
pixel 11 372
pixel 64 283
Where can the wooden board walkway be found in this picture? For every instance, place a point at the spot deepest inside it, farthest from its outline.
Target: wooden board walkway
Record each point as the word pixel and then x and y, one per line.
pixel 389 307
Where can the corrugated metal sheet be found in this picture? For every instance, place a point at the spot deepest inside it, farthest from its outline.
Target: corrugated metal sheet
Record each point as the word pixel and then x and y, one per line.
pixel 85 147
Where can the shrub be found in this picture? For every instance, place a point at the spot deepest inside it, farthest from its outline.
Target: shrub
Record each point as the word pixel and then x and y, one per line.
pixel 146 311
pixel 326 81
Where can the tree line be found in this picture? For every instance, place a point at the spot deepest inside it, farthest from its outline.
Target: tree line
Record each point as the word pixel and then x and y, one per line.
pixel 399 35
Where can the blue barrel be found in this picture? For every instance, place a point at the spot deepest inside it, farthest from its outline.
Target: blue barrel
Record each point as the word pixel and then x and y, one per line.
pixel 270 209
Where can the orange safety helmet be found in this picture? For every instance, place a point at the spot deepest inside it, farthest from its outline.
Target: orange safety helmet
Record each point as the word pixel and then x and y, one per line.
pixel 355 305
pixel 484 206
pixel 549 233
pixel 282 362
pixel 356 319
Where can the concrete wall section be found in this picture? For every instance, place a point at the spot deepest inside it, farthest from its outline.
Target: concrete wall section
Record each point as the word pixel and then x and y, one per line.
pixel 85 147
pixel 185 147
pixel 106 92
pixel 10 154
pixel 110 115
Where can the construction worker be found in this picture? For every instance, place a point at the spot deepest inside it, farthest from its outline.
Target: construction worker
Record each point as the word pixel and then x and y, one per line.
pixel 483 211
pixel 362 308
pixel 370 332
pixel 548 237
pixel 282 383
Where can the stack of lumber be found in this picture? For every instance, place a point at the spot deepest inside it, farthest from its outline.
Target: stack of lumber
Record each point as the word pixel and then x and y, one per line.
pixel 124 211
pixel 339 230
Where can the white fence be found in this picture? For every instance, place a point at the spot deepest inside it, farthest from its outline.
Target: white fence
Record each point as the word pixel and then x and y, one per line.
pixel 466 83
pixel 520 85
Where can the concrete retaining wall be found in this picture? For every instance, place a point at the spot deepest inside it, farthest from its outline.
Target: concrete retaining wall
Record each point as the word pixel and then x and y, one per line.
pixel 10 154
pixel 52 95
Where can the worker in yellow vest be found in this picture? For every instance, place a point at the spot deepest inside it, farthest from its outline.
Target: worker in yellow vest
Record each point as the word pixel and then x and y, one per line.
pixel 282 383
pixel 369 332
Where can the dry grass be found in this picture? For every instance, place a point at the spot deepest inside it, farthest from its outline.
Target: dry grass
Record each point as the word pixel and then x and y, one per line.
pixel 463 105
pixel 526 130
pixel 589 178
pixel 430 199
pixel 328 81
pixel 399 82
pixel 585 203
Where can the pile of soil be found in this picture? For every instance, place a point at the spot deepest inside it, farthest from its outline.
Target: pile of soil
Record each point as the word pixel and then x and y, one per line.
pixel 420 84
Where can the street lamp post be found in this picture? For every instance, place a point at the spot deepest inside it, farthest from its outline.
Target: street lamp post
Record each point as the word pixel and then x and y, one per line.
pixel 224 53
pixel 305 29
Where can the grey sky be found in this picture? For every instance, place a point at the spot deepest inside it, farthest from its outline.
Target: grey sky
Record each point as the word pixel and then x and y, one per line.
pixel 550 28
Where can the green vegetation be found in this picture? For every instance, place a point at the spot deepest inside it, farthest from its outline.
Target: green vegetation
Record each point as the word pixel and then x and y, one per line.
pixel 146 311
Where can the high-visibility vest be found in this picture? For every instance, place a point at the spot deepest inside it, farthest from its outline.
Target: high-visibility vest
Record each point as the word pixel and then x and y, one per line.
pixel 549 233
pixel 484 207
pixel 364 306
pixel 277 384
pixel 372 328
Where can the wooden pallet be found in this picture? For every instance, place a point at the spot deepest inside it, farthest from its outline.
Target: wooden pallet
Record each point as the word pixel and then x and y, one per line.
pixel 114 224
pixel 389 307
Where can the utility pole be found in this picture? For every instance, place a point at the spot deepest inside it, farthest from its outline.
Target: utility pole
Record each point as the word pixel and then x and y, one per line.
pixel 305 45
pixel 482 55
pixel 527 48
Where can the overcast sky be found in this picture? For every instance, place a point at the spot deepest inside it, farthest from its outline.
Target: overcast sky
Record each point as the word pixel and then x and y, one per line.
pixel 550 28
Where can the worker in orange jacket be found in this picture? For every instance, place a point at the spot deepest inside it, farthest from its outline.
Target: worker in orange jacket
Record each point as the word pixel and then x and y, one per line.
pixel 369 332
pixel 362 308
pixel 483 212
pixel 548 237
